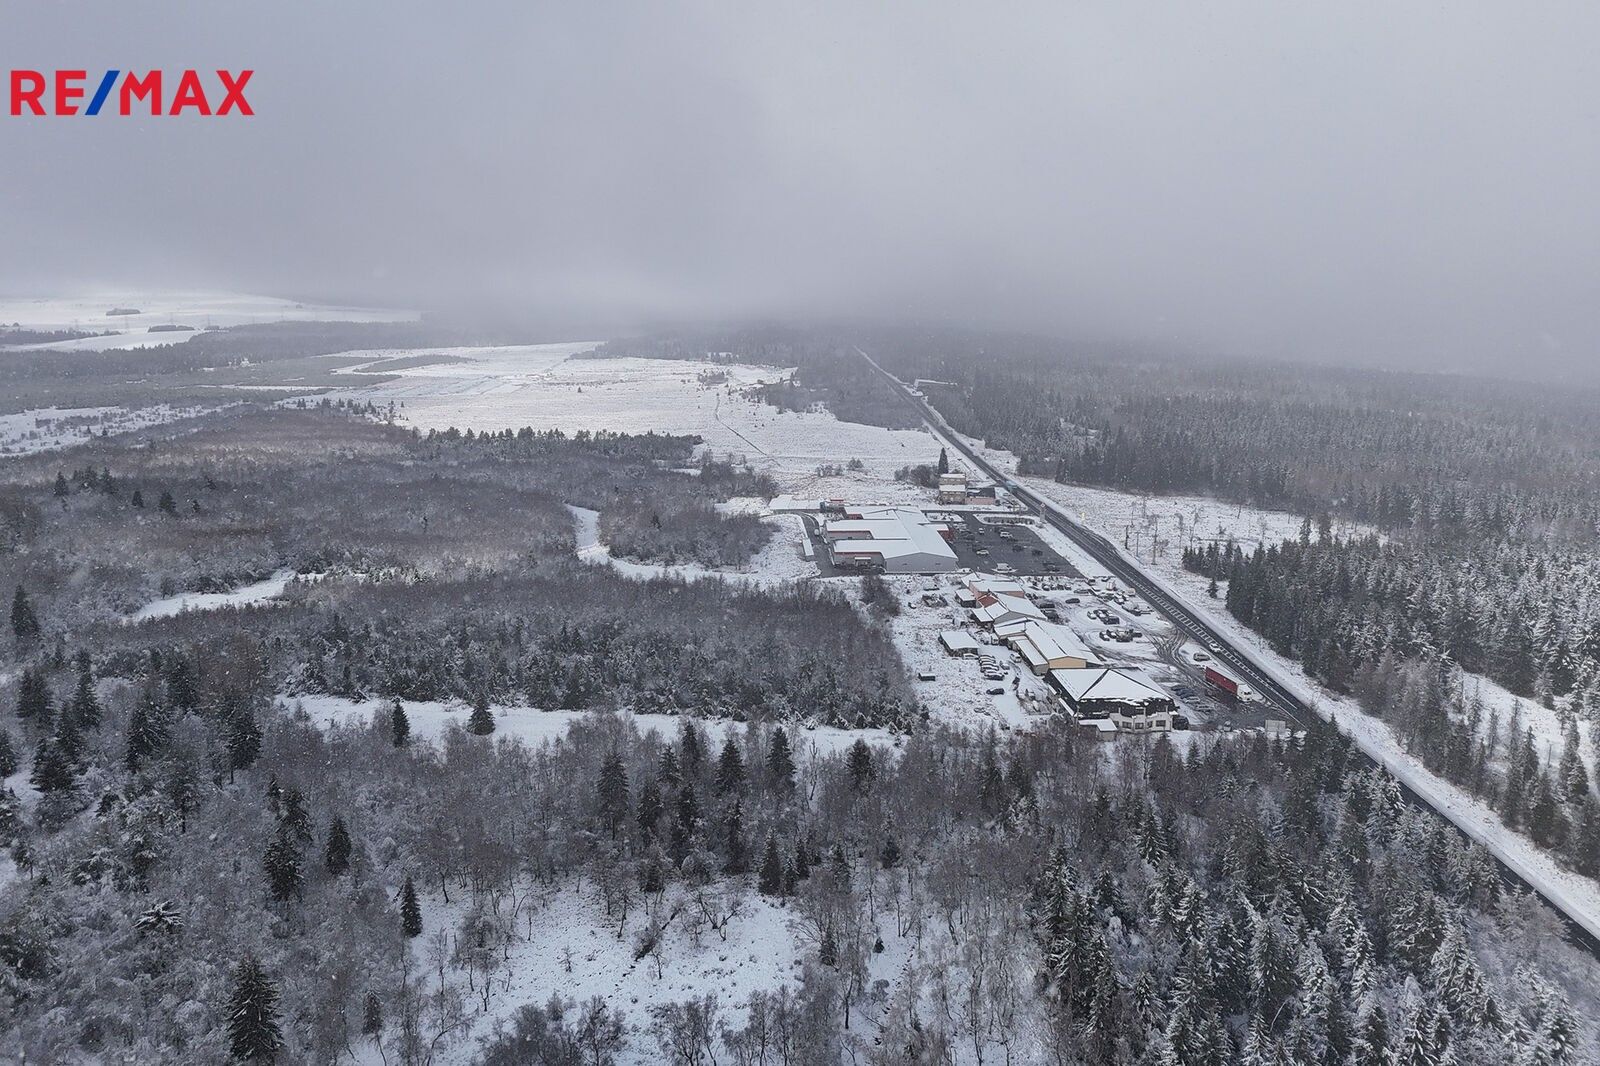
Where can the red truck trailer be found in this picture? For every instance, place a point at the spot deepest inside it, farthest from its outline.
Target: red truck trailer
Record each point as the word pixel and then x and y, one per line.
pixel 1232 686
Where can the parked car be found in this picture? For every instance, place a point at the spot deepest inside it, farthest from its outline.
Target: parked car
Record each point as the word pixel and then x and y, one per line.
pixel 981 551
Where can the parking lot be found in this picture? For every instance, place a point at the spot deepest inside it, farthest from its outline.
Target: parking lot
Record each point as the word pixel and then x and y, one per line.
pixel 1013 548
pixel 983 547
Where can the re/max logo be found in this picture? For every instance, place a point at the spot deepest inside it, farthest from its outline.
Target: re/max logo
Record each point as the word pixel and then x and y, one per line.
pixel 30 91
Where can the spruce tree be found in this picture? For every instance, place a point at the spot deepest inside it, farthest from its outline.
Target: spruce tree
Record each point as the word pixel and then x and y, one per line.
pixel 613 792
pixel 692 746
pixel 648 813
pixel 668 771
pixel 183 692
pixel 1418 1045
pixel 410 910
pixel 147 728
pixel 182 785
pixel 1585 845
pixel 801 863
pixel 24 622
pixel 53 769
pixel 780 759
pixel 8 755
pixel 68 738
pixel 138 499
pixel 828 950
pixel 166 504
pixel 85 706
pixel 336 855
pixel 10 818
pixel 399 725
pixel 653 872
pixel 730 768
pixel 253 1033
pixel 944 461
pixel 371 1016
pixel 771 881
pixel 62 488
pixel 243 739
pixel 859 764
pixel 33 698
pixel 282 865
pixel 481 721
pixel 738 861
pixel 1572 779
pixel 890 855
pixel 683 825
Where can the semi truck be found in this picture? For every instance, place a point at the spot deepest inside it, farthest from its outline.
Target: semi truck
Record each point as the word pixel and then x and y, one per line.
pixel 1232 686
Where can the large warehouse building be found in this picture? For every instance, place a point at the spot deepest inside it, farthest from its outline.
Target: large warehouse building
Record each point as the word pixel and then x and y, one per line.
pixel 1121 696
pixel 1045 647
pixel 998 600
pixel 898 539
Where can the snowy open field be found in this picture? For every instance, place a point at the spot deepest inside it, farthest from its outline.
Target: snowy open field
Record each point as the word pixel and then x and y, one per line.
pixel 47 429
pixel 778 563
pixel 258 592
pixel 535 727
pixel 551 386
pixel 201 310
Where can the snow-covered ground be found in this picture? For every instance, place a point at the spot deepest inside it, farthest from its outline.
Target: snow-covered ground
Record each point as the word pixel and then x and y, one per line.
pixel 778 562
pixel 959 695
pixel 1578 895
pixel 535 727
pixel 258 592
pixel 766 941
pixel 201 310
pixel 551 386
pixel 1121 516
pixel 45 429
pixel 569 946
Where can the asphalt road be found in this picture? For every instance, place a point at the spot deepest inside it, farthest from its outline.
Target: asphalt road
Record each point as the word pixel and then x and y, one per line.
pixel 1196 628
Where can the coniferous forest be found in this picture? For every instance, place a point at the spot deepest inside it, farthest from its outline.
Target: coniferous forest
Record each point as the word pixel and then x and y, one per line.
pixel 201 869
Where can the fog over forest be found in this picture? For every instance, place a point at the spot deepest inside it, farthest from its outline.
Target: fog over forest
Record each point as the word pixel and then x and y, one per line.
pixel 1393 184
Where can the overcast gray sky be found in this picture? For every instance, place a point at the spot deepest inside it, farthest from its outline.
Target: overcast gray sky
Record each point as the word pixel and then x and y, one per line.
pixel 1384 182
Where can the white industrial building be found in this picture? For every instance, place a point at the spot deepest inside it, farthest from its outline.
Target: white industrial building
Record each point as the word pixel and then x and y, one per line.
pixel 900 540
pixel 1045 647
pixel 996 601
pixel 960 642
